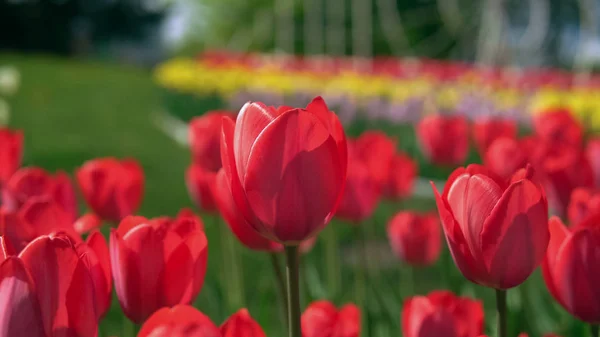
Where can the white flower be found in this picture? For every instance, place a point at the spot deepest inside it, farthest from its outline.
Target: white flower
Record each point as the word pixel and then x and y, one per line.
pixel 10 78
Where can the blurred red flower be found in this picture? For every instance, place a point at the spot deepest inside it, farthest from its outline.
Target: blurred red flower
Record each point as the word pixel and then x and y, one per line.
pixel 415 238
pixel 94 252
pixel 401 180
pixel 112 188
pixel 157 262
pixel 558 126
pixel 444 139
pixel 570 267
pixel 323 319
pixel 205 139
pixel 241 324
pixel 376 150
pixel 287 182
pixel 505 156
pixel 179 321
pixel 497 232
pixel 583 203
pixel 486 130
pixel 199 183
pixel 11 153
pixel 442 313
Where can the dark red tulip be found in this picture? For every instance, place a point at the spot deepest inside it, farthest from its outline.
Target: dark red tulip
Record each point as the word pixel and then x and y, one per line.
pixel 94 253
pixel 179 321
pixel 157 263
pixel 289 181
pixel 199 183
pixel 47 291
pixel 401 180
pixel 376 150
pixel 37 216
pixel 323 319
pixel 31 182
pixel 11 153
pixel 112 188
pixel 441 313
pixel 444 139
pixel 241 324
pixel 583 203
pixel 497 232
pixel 592 153
pixel 362 192
pixel 415 238
pixel 505 156
pixel 205 139
pixel 486 130
pixel 562 169
pixel 558 126
pixel 570 268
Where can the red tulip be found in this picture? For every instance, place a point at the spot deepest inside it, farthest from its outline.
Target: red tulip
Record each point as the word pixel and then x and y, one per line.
pixel 323 319
pixel 112 188
pixel 401 180
pixel 11 153
pixel 497 232
pixel 31 182
pixel 361 194
pixel 505 156
pixel 570 268
pixel 199 183
pixel 47 291
pixel 583 203
pixel 444 139
pixel 415 238
pixel 286 168
pixel 558 126
pixel 442 313
pixel 241 324
pixel 179 321
pixel 240 227
pixel 205 137
pixel 486 130
pixel 562 169
pixel 94 253
pixel 376 150
pixel 37 216
pixel 592 153
pixel 157 263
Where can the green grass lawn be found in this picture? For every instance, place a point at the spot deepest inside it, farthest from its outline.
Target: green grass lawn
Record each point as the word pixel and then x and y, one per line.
pixel 73 111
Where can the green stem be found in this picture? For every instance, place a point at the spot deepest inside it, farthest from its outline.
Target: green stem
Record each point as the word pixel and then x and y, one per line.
pixel 595 329
pixel 333 263
pixel 293 290
pixel 362 272
pixel 280 280
pixel 501 312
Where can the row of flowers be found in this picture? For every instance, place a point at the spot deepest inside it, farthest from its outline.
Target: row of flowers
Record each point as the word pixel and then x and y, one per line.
pixel 277 176
pixel 399 89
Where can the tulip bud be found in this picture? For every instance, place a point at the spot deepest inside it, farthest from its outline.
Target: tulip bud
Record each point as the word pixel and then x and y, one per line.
pixel 497 232
pixel 241 324
pixel 112 188
pixel 323 319
pixel 157 263
pixel 179 321
pixel 286 168
pixel 415 238
pixel 442 313
pixel 444 139
pixel 486 130
pixel 205 139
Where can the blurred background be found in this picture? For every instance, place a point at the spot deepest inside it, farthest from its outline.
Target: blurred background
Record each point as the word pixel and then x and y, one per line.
pixel 95 78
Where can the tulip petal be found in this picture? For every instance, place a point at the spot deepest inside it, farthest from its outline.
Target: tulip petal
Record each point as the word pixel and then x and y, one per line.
pixel 183 317
pixel 97 243
pixel 64 286
pixel 471 199
pixel 457 244
pixel 176 276
pixel 348 321
pixel 251 121
pixel 559 233
pixel 319 319
pixel 294 177
pixel 229 166
pixel 241 324
pixel 6 248
pixel 576 275
pixel 515 236
pixel 19 308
